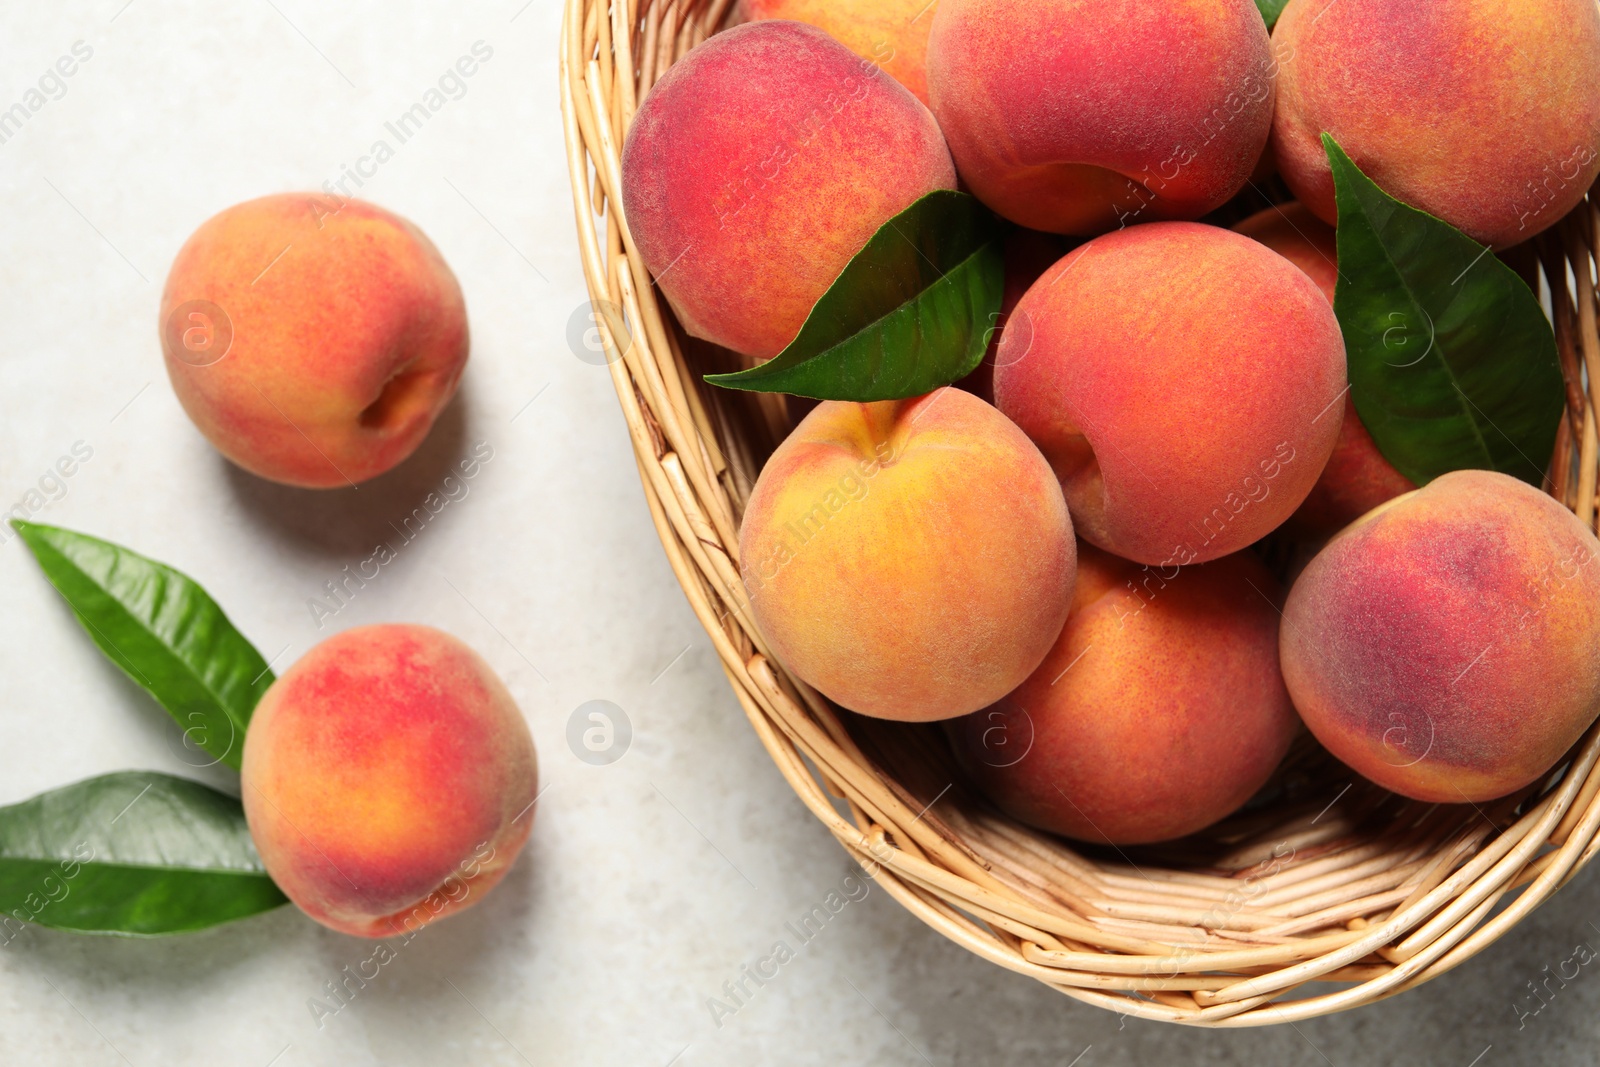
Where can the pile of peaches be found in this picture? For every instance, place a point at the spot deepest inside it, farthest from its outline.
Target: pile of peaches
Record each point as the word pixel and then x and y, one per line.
pixel 1062 554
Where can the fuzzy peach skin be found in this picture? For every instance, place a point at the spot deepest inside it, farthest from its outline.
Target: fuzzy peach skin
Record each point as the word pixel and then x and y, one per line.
pixel 1159 710
pixel 911 559
pixel 1080 116
pixel 1447 644
pixel 1481 112
pixel 755 169
pixel 1184 382
pixel 1297 235
pixel 1357 478
pixel 388 779
pixel 891 33
pixel 349 334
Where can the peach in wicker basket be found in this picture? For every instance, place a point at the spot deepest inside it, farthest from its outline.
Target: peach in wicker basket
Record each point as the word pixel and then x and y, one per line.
pixel 1322 878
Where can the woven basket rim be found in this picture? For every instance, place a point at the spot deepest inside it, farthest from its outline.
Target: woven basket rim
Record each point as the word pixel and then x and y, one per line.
pixel 1373 892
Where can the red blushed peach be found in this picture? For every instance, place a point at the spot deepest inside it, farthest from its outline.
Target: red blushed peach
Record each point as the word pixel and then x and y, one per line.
pixel 1447 644
pixel 891 33
pixel 1080 116
pixel 758 166
pixel 1159 710
pixel 312 343
pixel 388 779
pixel 1357 478
pixel 910 559
pixel 1483 113
pixel 1184 382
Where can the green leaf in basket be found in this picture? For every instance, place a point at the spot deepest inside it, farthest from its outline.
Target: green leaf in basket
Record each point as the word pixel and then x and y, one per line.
pixel 134 852
pixel 163 630
pixel 910 312
pixel 1271 9
pixel 1452 361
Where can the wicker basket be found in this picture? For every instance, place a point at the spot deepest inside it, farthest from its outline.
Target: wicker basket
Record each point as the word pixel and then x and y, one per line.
pixel 1323 878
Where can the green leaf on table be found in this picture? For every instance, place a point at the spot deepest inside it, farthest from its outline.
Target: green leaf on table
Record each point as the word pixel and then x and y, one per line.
pixel 163 630
pixel 911 311
pixel 134 852
pixel 1271 9
pixel 1452 361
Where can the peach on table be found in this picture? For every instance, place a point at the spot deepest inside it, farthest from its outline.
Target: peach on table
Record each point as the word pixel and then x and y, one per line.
pixel 312 340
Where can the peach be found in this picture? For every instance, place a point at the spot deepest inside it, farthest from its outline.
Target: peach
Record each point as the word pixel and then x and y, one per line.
pixel 1447 644
pixel 1357 478
pixel 312 340
pixel 910 559
pixel 1080 116
pixel 758 166
pixel 388 779
pixel 1484 114
pixel 1159 710
pixel 891 33
pixel 1184 382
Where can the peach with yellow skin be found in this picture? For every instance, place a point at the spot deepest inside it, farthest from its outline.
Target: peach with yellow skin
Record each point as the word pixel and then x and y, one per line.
pixel 891 33
pixel 1081 116
pixel 1482 113
pixel 1159 711
pixel 1447 644
pixel 911 560
pixel 312 343
pixel 388 779
pixel 1357 478
pixel 1183 381
pixel 758 166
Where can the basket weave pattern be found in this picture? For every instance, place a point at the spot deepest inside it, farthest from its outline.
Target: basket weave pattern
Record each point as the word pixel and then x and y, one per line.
pixel 1327 878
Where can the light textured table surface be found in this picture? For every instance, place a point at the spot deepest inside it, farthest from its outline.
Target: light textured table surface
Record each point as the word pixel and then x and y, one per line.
pixel 649 882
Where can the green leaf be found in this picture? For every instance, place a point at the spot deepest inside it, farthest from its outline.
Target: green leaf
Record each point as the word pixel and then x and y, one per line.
pixel 1452 361
pixel 1271 9
pixel 134 852
pixel 910 312
pixel 163 630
